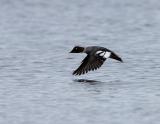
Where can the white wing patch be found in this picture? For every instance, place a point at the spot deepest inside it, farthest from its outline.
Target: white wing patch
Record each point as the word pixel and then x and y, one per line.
pixel 99 52
pixel 103 54
pixel 107 55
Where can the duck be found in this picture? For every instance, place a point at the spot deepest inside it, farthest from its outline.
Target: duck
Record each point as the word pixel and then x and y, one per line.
pixel 96 56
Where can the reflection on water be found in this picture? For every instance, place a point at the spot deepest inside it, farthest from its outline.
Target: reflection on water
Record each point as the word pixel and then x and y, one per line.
pixel 92 82
pixel 36 81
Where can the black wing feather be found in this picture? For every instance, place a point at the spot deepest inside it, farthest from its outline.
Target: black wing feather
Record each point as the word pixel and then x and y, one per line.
pixel 89 63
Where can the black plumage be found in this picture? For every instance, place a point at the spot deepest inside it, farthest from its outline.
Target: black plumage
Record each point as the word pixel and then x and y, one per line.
pixel 95 58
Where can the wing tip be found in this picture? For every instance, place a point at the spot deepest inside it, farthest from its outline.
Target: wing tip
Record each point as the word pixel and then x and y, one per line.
pixel 76 73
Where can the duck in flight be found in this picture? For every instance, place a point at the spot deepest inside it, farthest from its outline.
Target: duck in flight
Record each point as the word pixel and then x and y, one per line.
pixel 96 56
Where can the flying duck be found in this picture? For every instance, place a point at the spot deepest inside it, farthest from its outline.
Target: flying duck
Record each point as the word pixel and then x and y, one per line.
pixel 96 56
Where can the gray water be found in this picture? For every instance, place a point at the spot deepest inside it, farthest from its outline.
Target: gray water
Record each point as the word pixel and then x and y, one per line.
pixel 36 82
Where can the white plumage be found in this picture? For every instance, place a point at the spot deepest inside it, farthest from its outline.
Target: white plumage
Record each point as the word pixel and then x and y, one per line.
pixel 104 54
pixel 107 55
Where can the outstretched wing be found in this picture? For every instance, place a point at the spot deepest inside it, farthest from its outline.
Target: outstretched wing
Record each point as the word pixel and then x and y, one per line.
pixel 89 63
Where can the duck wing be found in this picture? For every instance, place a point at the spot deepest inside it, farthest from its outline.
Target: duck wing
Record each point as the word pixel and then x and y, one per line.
pixel 89 63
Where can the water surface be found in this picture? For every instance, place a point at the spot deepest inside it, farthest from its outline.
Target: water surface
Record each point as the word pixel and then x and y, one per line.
pixel 36 82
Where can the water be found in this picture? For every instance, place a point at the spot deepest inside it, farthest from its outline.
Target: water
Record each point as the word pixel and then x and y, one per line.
pixel 36 82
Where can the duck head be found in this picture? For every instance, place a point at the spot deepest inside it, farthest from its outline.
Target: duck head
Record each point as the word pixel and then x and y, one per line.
pixel 77 49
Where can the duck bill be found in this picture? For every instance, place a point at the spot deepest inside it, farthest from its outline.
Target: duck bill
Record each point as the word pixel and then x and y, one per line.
pixel 72 51
pixel 116 57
